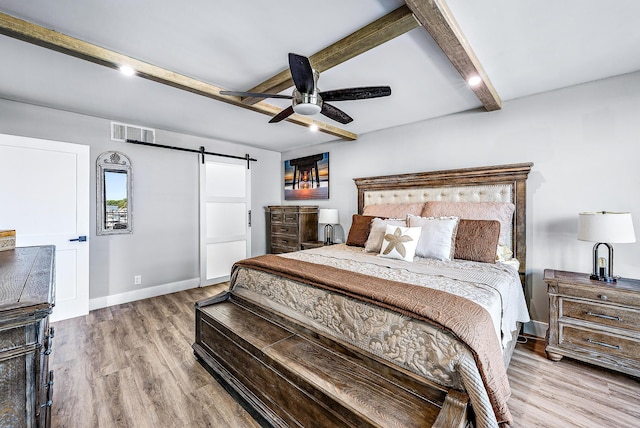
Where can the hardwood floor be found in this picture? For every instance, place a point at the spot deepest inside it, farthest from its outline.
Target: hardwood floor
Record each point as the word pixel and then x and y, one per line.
pixel 132 365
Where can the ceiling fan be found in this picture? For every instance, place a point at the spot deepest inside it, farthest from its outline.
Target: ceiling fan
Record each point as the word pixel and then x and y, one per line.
pixel 308 100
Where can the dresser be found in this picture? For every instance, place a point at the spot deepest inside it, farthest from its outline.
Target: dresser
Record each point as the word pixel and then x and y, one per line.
pixel 26 300
pixel 592 321
pixel 288 226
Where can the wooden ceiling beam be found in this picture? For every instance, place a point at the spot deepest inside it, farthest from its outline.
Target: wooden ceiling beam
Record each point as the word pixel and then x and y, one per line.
pixel 368 37
pixel 436 17
pixel 37 35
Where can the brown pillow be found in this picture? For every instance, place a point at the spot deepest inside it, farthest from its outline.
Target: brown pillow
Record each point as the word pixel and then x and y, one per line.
pixel 477 240
pixel 359 231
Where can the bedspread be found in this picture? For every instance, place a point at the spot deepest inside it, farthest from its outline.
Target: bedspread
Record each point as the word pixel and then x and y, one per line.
pixel 385 316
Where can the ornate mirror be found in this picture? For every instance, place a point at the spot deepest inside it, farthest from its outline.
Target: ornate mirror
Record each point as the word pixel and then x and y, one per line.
pixel 114 212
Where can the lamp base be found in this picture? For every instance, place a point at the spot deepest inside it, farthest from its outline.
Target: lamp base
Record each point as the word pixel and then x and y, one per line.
pixel 328 234
pixel 603 278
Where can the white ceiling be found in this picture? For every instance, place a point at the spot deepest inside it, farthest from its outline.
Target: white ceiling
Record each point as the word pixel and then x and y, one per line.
pixel 524 47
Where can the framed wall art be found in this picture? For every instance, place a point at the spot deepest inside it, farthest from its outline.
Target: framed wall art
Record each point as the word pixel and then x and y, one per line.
pixel 307 177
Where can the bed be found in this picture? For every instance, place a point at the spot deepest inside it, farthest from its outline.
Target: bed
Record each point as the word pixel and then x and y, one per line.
pixel 368 334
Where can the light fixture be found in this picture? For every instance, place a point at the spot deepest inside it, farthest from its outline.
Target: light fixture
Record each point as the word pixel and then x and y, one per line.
pixel 474 80
pixel 313 127
pixel 605 228
pixel 328 217
pixel 126 70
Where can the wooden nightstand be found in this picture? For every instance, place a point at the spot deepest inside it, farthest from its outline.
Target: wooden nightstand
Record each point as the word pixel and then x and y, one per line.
pixel 312 244
pixel 592 321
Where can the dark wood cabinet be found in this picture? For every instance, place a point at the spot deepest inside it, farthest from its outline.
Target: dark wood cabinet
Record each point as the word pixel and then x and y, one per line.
pixel 26 300
pixel 288 226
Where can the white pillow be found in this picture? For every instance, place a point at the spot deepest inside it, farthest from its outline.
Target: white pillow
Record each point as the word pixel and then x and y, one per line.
pixel 438 237
pixel 378 229
pixel 400 242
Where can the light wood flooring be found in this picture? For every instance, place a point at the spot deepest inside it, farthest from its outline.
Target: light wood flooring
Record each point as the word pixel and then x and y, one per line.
pixel 132 365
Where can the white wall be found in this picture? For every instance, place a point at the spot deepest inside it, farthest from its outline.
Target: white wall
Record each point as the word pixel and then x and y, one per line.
pixel 164 246
pixel 584 142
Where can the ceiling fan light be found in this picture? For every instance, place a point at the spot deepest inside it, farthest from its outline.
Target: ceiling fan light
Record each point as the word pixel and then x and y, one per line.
pixel 307 109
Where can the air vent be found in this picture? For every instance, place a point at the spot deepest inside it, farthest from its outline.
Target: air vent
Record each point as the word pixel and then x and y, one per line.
pixel 123 132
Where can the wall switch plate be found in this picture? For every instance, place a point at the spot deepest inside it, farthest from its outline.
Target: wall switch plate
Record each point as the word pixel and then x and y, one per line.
pixel 137 280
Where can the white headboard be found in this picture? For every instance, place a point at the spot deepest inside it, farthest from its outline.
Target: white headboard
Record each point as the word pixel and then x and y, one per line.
pixel 502 183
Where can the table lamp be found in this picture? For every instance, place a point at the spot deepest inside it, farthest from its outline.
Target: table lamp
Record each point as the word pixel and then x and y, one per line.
pixel 328 217
pixel 605 228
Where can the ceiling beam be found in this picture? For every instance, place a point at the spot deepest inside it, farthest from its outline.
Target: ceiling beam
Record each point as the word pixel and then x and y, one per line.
pixel 368 37
pixel 37 35
pixel 436 17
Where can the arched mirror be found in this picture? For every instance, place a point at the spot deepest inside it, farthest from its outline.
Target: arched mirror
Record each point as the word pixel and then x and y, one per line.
pixel 114 213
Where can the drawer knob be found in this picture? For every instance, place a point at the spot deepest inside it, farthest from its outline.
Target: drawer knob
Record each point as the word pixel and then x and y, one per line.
pixel 607 317
pixel 606 345
pixel 603 297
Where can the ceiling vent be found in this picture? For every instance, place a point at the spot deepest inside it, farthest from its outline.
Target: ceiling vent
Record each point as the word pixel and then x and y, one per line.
pixel 123 132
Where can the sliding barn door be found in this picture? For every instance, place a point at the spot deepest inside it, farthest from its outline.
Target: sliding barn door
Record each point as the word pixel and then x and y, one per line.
pixel 225 216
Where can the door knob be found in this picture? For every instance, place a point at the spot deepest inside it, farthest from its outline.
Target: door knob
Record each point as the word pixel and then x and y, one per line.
pixel 79 239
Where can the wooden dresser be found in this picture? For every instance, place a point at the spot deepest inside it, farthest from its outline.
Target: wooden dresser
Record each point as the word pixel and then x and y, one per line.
pixel 595 322
pixel 288 226
pixel 26 300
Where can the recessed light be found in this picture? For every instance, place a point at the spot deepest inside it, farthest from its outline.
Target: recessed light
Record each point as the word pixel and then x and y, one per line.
pixel 126 70
pixel 313 127
pixel 474 80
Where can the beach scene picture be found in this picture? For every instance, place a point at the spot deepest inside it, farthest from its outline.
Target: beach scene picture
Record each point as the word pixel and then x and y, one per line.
pixel 307 177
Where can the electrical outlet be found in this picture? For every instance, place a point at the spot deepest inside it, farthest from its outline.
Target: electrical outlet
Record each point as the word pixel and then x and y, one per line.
pixel 137 280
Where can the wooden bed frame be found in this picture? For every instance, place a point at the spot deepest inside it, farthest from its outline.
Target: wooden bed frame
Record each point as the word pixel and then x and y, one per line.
pixel 285 374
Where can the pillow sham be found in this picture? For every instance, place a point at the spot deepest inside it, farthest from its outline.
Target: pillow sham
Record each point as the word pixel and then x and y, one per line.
pixel 400 242
pixel 359 230
pixel 477 240
pixel 438 236
pixel 393 210
pixel 377 232
pixel 501 211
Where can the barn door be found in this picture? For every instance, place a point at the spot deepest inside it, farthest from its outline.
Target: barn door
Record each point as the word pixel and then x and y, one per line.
pixel 225 217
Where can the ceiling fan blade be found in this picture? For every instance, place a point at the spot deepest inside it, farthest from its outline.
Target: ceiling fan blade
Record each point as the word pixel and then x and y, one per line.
pixel 356 93
pixel 254 94
pixel 282 115
pixel 302 73
pixel 335 113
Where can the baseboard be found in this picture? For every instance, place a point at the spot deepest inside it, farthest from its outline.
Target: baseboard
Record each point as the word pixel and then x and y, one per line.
pixel 143 293
pixel 536 328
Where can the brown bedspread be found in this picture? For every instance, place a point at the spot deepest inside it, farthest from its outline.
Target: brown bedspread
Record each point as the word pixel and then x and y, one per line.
pixel 467 320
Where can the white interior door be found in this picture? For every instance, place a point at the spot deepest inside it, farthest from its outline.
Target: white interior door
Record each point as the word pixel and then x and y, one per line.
pixel 225 210
pixel 44 196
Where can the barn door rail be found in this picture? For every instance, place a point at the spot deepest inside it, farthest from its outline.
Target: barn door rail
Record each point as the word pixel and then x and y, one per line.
pixel 200 151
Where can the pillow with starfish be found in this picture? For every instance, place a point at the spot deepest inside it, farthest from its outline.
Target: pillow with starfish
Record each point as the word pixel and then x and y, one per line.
pixel 400 242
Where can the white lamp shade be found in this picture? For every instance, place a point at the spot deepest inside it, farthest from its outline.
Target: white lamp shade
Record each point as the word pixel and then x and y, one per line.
pixel 328 216
pixel 607 227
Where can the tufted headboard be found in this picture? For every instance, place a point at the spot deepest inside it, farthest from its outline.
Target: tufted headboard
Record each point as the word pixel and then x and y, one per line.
pixel 502 183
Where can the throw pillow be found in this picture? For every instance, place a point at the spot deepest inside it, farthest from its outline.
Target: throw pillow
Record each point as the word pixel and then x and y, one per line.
pixel 400 242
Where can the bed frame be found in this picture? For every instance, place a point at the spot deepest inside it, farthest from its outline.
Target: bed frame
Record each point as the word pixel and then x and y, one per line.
pixel 285 374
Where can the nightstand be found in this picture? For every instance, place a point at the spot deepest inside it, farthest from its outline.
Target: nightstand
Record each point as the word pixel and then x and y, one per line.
pixel 592 321
pixel 311 244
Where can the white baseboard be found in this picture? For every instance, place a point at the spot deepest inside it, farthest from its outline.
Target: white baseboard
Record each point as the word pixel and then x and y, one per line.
pixel 143 293
pixel 536 328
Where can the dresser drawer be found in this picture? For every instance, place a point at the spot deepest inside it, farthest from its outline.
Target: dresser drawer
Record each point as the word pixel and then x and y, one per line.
pixel 600 294
pixel 285 229
pixel 288 243
pixel 20 336
pixel 599 342
pixel 284 218
pixel 610 315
